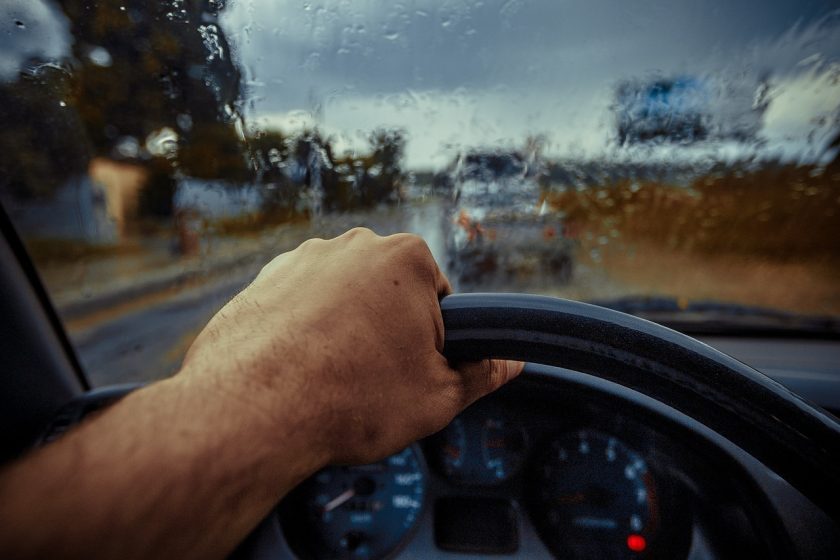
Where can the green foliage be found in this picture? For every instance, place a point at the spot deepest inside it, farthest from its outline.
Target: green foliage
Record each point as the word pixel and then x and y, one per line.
pixel 166 68
pixel 137 67
pixel 286 166
pixel 777 211
pixel 42 143
pixel 383 174
pixel 213 150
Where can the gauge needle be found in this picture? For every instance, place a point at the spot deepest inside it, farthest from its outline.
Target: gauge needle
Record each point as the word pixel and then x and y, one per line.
pixel 340 499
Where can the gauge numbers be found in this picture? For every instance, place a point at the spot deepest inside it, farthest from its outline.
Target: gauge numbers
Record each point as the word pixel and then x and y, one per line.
pixel 502 447
pixel 594 497
pixel 481 448
pixel 360 512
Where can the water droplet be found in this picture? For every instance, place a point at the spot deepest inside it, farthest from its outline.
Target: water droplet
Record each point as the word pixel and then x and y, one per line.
pixel 100 56
pixel 391 35
pixel 128 146
pixel 20 24
pixel 163 142
pixel 62 104
pixel 184 121
pixel 212 43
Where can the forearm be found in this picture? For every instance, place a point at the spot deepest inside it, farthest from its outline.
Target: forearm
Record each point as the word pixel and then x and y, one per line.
pixel 332 353
pixel 185 467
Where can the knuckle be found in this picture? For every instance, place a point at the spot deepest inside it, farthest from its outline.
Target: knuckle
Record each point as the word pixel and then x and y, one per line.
pixel 311 243
pixel 416 242
pixel 414 247
pixel 358 232
pixel 268 267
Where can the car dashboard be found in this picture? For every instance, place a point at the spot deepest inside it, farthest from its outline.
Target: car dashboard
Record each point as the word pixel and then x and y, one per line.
pixel 555 465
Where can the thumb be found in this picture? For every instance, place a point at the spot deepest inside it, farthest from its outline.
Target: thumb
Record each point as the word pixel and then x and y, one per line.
pixel 484 377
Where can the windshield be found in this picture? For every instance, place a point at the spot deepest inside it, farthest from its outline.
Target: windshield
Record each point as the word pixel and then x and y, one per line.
pixel 679 156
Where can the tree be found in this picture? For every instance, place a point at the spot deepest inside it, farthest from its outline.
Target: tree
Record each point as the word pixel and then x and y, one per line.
pixel 383 174
pixel 142 67
pixel 269 150
pixel 43 143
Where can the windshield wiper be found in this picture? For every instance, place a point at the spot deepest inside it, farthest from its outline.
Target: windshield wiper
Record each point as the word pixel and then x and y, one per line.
pixel 713 317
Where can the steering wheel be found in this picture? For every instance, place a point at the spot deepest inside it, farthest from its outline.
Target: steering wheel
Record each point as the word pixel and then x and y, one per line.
pixel 790 436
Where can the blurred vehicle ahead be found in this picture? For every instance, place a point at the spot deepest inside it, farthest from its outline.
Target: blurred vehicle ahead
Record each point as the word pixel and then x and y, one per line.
pixel 500 229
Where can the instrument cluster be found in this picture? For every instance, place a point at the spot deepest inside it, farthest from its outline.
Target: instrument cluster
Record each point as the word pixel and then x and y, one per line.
pixel 586 488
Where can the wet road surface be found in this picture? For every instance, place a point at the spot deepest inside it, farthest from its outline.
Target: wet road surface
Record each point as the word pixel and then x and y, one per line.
pixel 146 339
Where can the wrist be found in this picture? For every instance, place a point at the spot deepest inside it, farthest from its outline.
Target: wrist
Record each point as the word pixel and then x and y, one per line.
pixel 268 414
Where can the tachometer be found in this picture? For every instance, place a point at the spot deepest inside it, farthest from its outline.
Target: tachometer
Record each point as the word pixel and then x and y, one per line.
pixel 593 497
pixel 356 512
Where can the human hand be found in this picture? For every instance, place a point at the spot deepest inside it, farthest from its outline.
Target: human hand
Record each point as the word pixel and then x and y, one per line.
pixel 344 337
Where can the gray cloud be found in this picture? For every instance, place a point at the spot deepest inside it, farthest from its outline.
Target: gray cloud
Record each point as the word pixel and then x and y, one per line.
pixel 456 74
pixel 382 47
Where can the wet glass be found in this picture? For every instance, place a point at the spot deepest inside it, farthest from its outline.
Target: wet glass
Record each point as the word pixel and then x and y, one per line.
pixel 153 155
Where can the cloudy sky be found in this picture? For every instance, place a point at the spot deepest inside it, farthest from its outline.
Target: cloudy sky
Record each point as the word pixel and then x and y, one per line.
pixel 489 73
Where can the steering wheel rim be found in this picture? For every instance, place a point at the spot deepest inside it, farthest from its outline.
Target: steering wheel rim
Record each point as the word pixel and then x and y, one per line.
pixel 795 439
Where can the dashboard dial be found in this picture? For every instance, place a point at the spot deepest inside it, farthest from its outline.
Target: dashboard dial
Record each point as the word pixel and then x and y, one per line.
pixel 453 447
pixel 481 448
pixel 502 447
pixel 594 497
pixel 360 512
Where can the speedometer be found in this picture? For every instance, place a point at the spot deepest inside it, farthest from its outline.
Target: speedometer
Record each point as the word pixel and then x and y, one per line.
pixel 362 512
pixel 594 497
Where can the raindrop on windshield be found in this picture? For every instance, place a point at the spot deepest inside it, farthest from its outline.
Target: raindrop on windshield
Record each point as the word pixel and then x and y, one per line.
pixel 100 56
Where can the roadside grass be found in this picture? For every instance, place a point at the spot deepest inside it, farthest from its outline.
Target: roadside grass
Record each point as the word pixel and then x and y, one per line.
pixel 767 237
pixel 53 251
pixel 46 251
pixel 254 223
pixel 782 213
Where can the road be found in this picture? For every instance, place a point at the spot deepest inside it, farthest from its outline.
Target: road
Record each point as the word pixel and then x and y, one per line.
pixel 145 338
